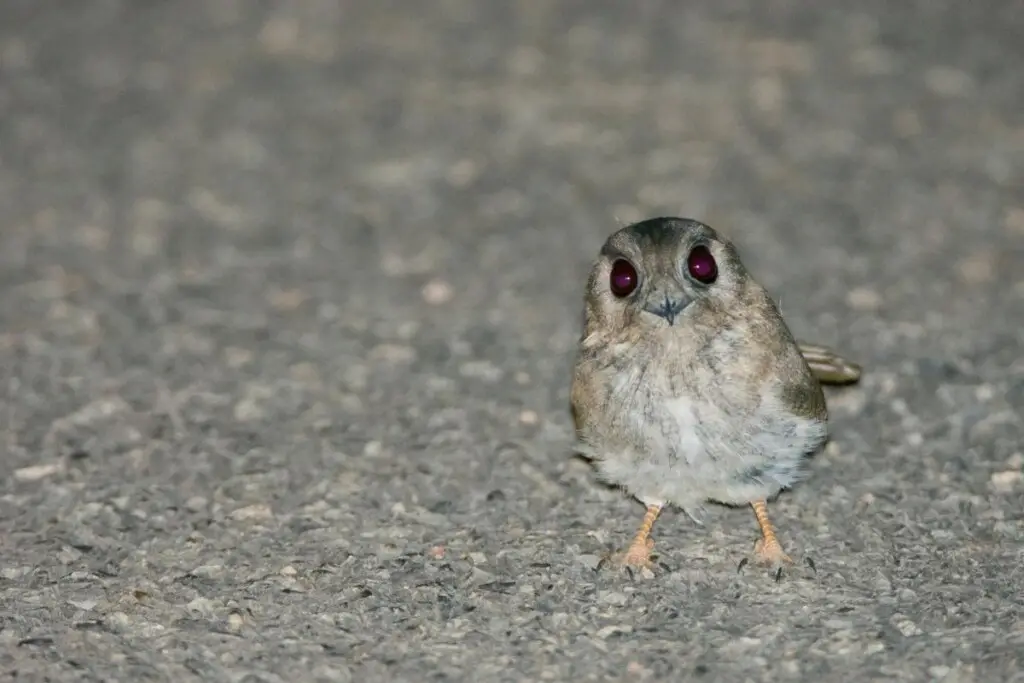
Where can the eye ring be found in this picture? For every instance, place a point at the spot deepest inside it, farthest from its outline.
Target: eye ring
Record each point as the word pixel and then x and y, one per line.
pixel 623 278
pixel 701 265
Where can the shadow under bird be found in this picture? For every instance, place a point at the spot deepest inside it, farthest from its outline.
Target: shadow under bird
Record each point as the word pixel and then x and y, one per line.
pixel 688 385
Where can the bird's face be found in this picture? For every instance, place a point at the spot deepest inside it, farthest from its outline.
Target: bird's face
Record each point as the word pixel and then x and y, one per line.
pixel 662 272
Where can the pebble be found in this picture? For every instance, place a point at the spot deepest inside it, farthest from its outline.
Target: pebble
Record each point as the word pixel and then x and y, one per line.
pixel 1006 480
pixel 947 81
pixel 393 353
pixel 36 472
pixel 908 628
pixel 863 299
pixel 235 621
pixel 253 512
pixel 612 630
pixel 1014 221
pixel 437 292
pixel 612 598
pixel 203 606
pixel 208 571
pixel 481 369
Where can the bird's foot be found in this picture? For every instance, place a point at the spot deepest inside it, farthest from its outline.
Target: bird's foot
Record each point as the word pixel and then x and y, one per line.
pixel 770 554
pixel 636 558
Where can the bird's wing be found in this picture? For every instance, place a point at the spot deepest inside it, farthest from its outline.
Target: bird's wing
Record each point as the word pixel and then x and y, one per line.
pixel 828 366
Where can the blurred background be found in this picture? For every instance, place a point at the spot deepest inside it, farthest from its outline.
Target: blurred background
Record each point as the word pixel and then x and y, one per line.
pixel 304 280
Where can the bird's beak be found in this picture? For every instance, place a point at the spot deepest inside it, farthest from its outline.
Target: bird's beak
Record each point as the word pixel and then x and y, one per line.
pixel 667 307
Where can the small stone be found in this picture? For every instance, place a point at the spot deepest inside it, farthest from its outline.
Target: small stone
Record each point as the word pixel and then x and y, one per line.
pixel 559 620
pixel 208 571
pixel 1016 460
pixel 984 392
pixel 14 573
pixel 612 630
pixel 479 577
pixel 863 299
pixel 612 598
pixel 118 619
pixel 769 94
pixel 872 61
pixel 196 504
pixel 462 173
pixel 36 472
pixel 978 268
pixel 288 571
pixel 838 624
pixel 477 558
pixel 1005 481
pixel 285 300
pixel 260 511
pixel 947 81
pixel 393 353
pixel 482 370
pixel 938 671
pixel 908 628
pixel 203 606
pixel 85 605
pixel 235 621
pixel 907 123
pixel 250 408
pixel 437 292
pixel 436 553
pixel 280 35
pixel 589 561
pixel 236 356
pixel 528 417
pixel 1014 221
pixel 636 669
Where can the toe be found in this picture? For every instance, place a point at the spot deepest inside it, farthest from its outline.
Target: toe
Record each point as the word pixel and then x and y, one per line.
pixel 771 555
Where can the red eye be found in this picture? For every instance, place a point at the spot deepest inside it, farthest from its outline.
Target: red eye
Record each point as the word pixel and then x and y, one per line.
pixel 623 279
pixel 701 265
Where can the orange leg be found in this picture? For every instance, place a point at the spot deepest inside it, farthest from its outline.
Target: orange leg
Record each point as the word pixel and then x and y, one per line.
pixel 639 552
pixel 767 549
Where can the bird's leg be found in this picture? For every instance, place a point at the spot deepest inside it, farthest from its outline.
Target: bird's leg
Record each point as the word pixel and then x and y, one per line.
pixel 767 549
pixel 639 552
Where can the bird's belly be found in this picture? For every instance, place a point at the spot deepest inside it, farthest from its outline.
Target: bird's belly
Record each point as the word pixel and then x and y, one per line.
pixel 685 453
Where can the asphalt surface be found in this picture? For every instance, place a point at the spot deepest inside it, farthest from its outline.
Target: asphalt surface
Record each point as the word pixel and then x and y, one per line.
pixel 290 297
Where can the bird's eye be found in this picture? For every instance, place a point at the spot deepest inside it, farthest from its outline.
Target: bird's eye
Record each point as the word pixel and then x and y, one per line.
pixel 701 265
pixel 623 278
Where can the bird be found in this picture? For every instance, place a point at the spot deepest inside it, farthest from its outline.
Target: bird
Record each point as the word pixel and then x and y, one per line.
pixel 688 387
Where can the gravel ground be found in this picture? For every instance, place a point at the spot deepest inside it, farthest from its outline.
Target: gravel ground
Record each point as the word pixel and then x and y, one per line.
pixel 291 293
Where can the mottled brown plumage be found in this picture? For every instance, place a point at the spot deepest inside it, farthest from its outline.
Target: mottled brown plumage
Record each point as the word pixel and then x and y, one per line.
pixel 688 385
